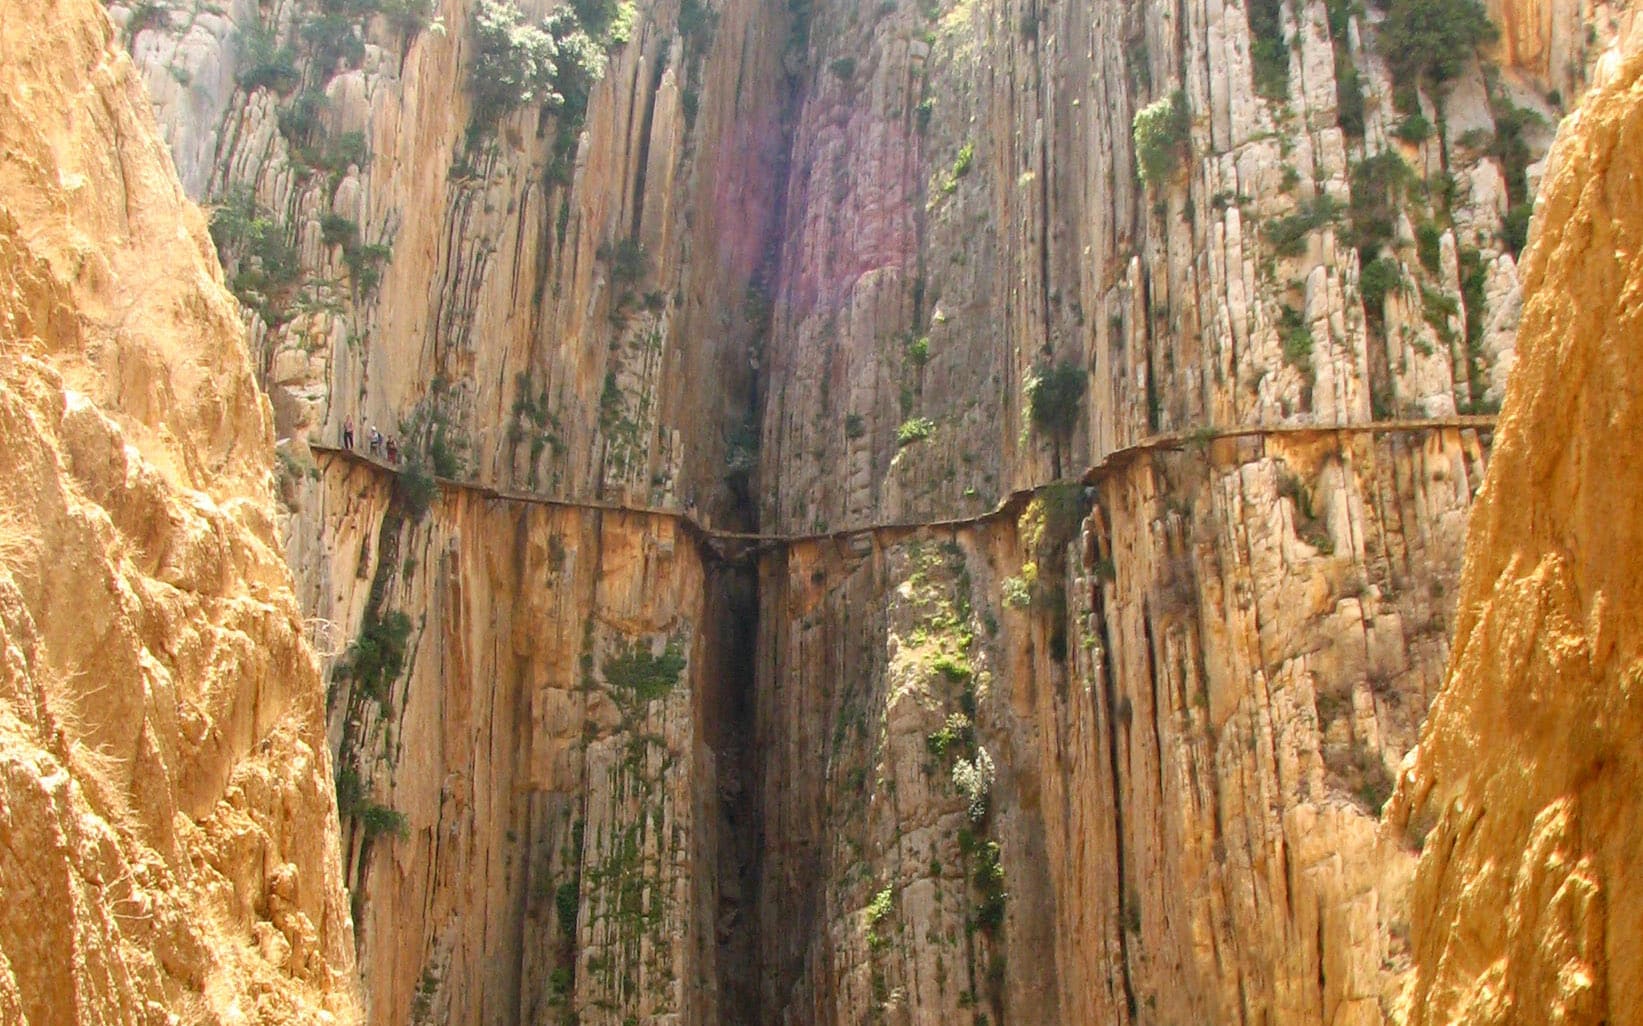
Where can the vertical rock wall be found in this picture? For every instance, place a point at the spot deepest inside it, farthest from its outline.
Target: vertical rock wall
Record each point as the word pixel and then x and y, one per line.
pixel 1192 699
pixel 530 293
pixel 1109 756
pixel 1525 906
pixel 534 301
pixel 529 806
pixel 168 841
pixel 993 228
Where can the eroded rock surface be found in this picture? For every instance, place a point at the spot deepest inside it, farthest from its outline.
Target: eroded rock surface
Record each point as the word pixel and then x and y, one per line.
pixel 1526 902
pixel 168 848
pixel 1114 755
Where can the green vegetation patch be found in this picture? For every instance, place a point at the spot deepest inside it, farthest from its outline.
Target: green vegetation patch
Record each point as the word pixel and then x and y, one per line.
pixel 915 429
pixel 1160 131
pixel 378 656
pixel 1288 234
pixel 1431 40
pixel 1268 51
pixel 1378 277
pixel 636 671
pixel 1054 395
pixel 517 63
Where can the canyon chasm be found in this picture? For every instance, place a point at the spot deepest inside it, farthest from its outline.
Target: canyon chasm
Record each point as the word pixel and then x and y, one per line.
pixel 980 511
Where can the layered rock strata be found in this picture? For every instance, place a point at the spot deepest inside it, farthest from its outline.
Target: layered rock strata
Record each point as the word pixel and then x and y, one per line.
pixel 168 842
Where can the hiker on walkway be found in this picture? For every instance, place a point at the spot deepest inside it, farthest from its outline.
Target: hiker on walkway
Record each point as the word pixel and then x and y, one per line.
pixel 348 433
pixel 393 450
pixel 376 441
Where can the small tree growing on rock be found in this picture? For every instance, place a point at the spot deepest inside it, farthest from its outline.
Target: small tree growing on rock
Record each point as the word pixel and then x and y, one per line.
pixel 518 63
pixel 1431 40
pixel 1053 400
pixel 1160 131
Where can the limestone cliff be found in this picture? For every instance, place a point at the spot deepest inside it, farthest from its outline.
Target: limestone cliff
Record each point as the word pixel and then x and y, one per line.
pixel 1108 743
pixel 1525 906
pixel 168 849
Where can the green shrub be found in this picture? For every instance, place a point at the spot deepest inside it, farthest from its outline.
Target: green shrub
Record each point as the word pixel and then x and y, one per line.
pixel 253 243
pixel 1515 229
pixel 623 24
pixel 843 68
pixel 1437 307
pixel 1348 94
pixel 1406 97
pixel 954 669
pixel 516 63
pixel 644 676
pixel 1268 51
pixel 566 904
pixel 1509 146
pixel 988 878
pixel 1474 277
pixel 922 113
pixel 416 487
pixel 1378 277
pixel 264 63
pixel 336 155
pixel 854 425
pixel 1431 40
pixel 145 15
pixel 1160 133
pixel 1378 185
pixel 914 429
pixel 380 819
pixel 301 118
pixel 1413 128
pixel 974 779
pixel 1054 395
pixel 628 261
pixel 697 22
pixel 408 16
pixel 444 452
pixel 560 982
pixel 332 39
pixel 879 909
pixel 958 733
pixel 742 449
pixel 1429 245
pixel 961 167
pixel 350 792
pixel 337 230
pixel 365 264
pixel 1296 336
pixel 378 655
pixel 1288 234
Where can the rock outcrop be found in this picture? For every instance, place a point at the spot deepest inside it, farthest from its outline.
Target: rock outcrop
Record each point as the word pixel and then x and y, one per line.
pixel 1110 744
pixel 168 848
pixel 1524 791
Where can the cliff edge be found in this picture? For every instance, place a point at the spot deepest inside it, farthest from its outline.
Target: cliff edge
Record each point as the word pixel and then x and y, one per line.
pixel 1526 908
pixel 168 839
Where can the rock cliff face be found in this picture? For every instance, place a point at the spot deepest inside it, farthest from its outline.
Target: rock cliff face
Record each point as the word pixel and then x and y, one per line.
pixel 1109 744
pixel 556 746
pixel 168 850
pixel 1525 785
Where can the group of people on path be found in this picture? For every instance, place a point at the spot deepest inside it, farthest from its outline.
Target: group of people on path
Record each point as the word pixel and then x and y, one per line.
pixel 380 445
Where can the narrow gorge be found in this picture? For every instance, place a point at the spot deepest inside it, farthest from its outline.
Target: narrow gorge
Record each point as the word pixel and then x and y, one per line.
pixel 819 512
